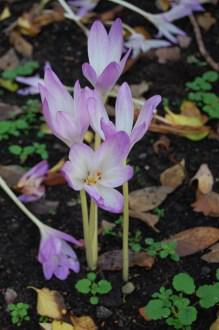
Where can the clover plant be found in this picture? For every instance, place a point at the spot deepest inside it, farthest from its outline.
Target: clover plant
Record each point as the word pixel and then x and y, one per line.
pixel 24 152
pixel 19 313
pixel 90 285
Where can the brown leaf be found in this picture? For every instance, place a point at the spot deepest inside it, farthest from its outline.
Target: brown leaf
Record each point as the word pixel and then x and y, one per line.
pixel 173 176
pixel 142 313
pixel 59 325
pixel 206 21
pixel 194 240
pixel 149 198
pixel 112 260
pixel 208 204
pixel 213 255
pixel 163 143
pixel 8 110
pixel 105 225
pixel 189 109
pixel 184 41
pixel 11 174
pixel 111 14
pixel 54 179
pixel 205 179
pixel 50 303
pixel 215 325
pixel 165 55
pixel 20 44
pixel 83 323
pixel 163 4
pixel 9 60
pixel 148 218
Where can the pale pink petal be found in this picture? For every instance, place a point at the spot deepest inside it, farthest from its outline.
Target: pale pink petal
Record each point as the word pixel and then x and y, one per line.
pixel 108 128
pixel 116 176
pixel 89 73
pixel 108 199
pixel 124 109
pixel 97 112
pixel 116 41
pixel 108 77
pixel 98 47
pixel 66 129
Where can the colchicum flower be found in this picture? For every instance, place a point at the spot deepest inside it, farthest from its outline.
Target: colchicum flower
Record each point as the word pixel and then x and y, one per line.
pixel 55 254
pixel 30 184
pixel 33 83
pixel 104 52
pixel 84 6
pixel 99 172
pixel 66 117
pixel 124 116
pixel 138 44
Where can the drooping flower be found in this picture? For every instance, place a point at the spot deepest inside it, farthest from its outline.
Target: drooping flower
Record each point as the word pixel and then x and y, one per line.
pixel 30 184
pixel 84 6
pixel 55 254
pixel 66 117
pixel 138 44
pixel 99 172
pixel 124 116
pixel 104 52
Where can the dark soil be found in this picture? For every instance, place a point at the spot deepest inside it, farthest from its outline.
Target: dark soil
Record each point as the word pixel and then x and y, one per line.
pixel 64 46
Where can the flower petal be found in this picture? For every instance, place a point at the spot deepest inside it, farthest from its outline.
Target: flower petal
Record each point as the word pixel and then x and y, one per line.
pixel 112 152
pixel 115 41
pixel 66 129
pixel 108 128
pixel 98 47
pixel 89 73
pixel 124 109
pixel 108 77
pixel 116 176
pixel 108 199
pixel 97 112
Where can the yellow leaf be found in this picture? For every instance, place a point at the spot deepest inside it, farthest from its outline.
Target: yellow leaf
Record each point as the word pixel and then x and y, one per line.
pixel 58 325
pixel 215 325
pixel 8 84
pixel 50 303
pixel 5 13
pixel 46 326
pixel 179 119
pixel 83 323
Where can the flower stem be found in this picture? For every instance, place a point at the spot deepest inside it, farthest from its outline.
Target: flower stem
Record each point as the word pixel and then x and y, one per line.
pixel 19 204
pixel 125 241
pixel 134 8
pixel 86 229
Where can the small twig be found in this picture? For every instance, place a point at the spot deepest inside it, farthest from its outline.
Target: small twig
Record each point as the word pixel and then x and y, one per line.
pixel 201 46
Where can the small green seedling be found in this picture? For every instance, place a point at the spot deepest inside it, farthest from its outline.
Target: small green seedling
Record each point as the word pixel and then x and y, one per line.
pixel 161 249
pixel 89 285
pixel 135 242
pixel 19 313
pixel 110 231
pixel 160 212
pixel 201 93
pixel 174 305
pixel 24 152
pixel 24 69
pixel 192 59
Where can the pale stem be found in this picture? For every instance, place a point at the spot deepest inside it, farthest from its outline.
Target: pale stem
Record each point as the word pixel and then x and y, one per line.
pixel 125 240
pixel 19 204
pixel 86 228
pixel 134 8
pixel 70 15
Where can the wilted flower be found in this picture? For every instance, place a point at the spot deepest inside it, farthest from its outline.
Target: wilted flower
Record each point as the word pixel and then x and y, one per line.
pixel 104 53
pixel 99 172
pixel 138 44
pixel 84 6
pixel 56 256
pixel 33 83
pixel 124 116
pixel 30 184
pixel 66 117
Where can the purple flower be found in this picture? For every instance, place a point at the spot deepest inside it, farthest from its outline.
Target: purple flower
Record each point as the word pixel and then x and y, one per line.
pixel 124 116
pixel 56 256
pixel 33 83
pixel 138 44
pixel 104 52
pixel 66 117
pixel 84 6
pixel 30 183
pixel 99 172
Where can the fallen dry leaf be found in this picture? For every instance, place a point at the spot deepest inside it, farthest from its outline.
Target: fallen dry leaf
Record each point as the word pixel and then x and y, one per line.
pixel 215 325
pixel 149 198
pixel 184 41
pixel 105 225
pixel 206 21
pixel 46 326
pixel 165 55
pixel 9 60
pixel 163 143
pixel 5 13
pixel 189 109
pixel 174 175
pixel 59 325
pixel 111 14
pixel 20 44
pixel 208 204
pixel 148 218
pixel 7 111
pixel 213 255
pixel 205 179
pixel 50 303
pixel 194 240
pixel 82 323
pixel 112 260
pixel 11 174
